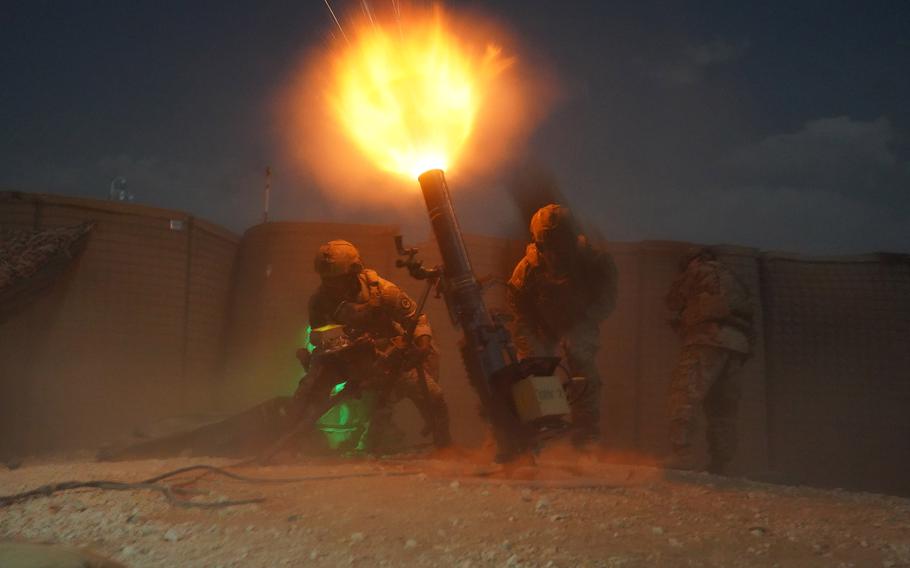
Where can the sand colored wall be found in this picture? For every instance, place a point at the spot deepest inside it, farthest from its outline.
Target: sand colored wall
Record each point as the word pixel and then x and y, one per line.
pixel 158 318
pixel 137 263
pixel 838 335
pixel 134 331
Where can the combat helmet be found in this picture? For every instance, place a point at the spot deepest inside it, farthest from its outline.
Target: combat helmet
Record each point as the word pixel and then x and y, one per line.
pixel 552 221
pixel 337 258
pixel 704 253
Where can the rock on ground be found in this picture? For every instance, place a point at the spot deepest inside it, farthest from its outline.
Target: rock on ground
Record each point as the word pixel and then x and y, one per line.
pixel 411 513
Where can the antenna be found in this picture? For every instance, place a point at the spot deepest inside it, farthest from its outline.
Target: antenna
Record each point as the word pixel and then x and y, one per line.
pixel 268 194
pixel 117 190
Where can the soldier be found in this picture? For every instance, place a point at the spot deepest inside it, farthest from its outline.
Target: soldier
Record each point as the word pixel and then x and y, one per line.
pixel 559 293
pixel 368 305
pixel 712 313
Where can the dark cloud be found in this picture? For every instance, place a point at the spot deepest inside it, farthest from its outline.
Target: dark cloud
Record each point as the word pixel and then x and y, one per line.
pixel 829 154
pixel 691 63
pixel 836 184
pixel 795 219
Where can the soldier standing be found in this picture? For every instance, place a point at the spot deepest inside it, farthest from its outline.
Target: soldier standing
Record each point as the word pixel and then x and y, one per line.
pixel 368 305
pixel 559 293
pixel 712 313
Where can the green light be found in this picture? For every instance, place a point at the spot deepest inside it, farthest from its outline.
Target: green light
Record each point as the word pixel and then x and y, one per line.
pixel 306 338
pixel 344 425
pixel 344 414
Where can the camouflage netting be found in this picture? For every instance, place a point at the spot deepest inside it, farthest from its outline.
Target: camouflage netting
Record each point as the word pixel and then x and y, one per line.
pixel 31 260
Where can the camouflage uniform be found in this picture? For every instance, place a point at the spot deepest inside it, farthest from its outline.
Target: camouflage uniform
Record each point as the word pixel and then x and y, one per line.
pixel 559 309
pixel 372 305
pixel 713 316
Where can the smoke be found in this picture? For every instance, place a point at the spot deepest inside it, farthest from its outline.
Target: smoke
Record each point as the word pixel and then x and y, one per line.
pixel 323 151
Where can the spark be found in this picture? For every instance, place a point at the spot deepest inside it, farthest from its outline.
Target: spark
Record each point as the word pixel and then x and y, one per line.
pixel 366 10
pixel 396 6
pixel 337 23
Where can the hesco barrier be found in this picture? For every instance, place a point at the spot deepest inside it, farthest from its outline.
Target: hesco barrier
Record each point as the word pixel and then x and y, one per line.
pixel 838 334
pixel 133 333
pixel 157 318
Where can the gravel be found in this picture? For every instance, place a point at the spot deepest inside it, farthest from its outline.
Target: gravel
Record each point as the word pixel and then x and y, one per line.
pixel 449 516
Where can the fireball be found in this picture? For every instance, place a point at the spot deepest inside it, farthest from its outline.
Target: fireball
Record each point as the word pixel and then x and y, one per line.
pixel 408 95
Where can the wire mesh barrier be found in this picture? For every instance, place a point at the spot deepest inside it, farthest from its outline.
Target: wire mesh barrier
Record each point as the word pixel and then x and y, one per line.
pixel 166 314
pixel 838 376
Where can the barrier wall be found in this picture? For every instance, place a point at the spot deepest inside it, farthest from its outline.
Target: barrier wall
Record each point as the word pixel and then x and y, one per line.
pixel 132 333
pixel 167 314
pixel 838 334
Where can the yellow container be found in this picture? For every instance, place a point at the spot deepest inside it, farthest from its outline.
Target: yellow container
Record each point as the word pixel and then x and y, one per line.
pixel 539 397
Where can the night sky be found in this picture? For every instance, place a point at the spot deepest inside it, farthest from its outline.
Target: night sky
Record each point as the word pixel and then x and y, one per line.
pixel 780 125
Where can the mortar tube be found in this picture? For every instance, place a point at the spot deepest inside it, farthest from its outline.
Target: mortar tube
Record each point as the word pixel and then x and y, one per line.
pixel 483 349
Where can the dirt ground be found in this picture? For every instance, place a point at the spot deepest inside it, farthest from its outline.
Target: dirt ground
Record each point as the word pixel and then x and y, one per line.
pixel 568 510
